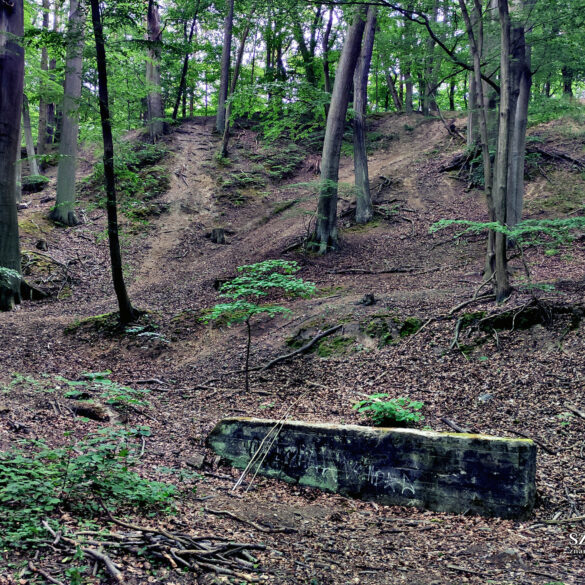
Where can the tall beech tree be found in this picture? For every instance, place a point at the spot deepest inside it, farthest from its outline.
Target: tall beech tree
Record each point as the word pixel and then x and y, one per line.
pixel 154 101
pixel 325 237
pixel 127 312
pixel 64 212
pixel 364 211
pixel 11 91
pixel 220 120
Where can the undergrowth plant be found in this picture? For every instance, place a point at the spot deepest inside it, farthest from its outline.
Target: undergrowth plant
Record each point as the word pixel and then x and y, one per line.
pixel 256 281
pixel 38 482
pixel 549 234
pixel 393 412
pixel 110 392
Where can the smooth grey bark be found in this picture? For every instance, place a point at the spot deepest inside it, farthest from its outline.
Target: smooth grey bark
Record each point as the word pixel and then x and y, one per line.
pixel 127 312
pixel 475 35
pixel 500 193
pixel 64 212
pixel 226 50
pixel 154 103
pixel 11 88
pixel 28 138
pixel 521 83
pixel 364 211
pixel 325 237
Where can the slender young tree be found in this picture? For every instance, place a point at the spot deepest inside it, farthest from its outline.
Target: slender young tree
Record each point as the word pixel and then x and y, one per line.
pixel 226 50
pixel 64 212
pixel 127 312
pixel 28 138
pixel 235 75
pixel 11 91
pixel 325 236
pixel 181 92
pixel 43 105
pixel 364 211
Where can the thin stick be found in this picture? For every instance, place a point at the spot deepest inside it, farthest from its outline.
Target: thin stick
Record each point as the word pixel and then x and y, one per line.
pixel 305 347
pixel 46 575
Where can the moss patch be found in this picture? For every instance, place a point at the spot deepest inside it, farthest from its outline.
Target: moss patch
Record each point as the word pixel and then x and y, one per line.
pixel 410 326
pixel 335 346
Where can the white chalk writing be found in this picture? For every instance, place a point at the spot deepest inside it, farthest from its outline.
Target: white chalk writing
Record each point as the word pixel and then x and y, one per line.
pixel 335 467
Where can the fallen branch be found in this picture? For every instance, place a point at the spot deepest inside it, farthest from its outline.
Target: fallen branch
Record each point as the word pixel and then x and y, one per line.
pixel 566 520
pixel 539 443
pixel 302 349
pixel 249 522
pixel 397 270
pixel 106 561
pixel 556 154
pixel 575 410
pixel 455 426
pixel 46 575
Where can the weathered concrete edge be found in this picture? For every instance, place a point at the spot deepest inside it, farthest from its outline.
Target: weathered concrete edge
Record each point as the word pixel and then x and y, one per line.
pixel 374 431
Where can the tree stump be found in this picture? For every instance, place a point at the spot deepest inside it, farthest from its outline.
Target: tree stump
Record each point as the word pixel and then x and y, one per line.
pixel 218 236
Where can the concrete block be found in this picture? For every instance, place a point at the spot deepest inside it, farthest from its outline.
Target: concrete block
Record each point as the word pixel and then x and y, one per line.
pixel 446 472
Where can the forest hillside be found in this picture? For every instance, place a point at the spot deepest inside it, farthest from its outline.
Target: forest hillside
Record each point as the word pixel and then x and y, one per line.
pixel 117 417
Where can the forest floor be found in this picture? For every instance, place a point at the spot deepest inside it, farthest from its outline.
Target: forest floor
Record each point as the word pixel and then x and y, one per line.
pixel 516 381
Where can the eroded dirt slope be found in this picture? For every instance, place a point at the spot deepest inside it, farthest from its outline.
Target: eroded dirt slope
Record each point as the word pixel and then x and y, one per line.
pixel 505 382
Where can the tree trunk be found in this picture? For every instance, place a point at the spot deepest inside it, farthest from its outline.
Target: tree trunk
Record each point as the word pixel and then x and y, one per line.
pixel 235 75
pixel 364 211
pixel 11 87
pixel 521 83
pixel 52 131
pixel 325 237
pixel 428 89
pixel 325 49
pixel 156 123
pixel 28 138
pixel 395 97
pixel 567 75
pixel 42 127
pixel 502 285
pixel 127 312
pixel 478 98
pixel 183 81
pixel 64 212
pixel 225 68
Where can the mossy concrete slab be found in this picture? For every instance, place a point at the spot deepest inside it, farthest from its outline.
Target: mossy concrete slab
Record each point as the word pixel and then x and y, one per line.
pixel 446 472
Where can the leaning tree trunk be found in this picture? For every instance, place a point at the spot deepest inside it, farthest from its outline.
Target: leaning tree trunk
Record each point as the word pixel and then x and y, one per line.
pixel 28 138
pixel 225 68
pixel 325 236
pixel 395 97
pixel 155 110
pixel 11 87
pixel 64 212
pixel 364 211
pixel 127 312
